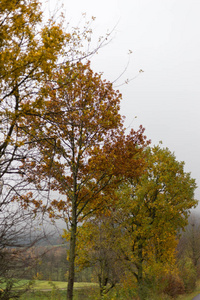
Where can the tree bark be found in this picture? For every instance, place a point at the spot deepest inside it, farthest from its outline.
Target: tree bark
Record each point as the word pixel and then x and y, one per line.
pixel 140 272
pixel 72 254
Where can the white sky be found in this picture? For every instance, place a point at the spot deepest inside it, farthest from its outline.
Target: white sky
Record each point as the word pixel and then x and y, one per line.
pixel 164 36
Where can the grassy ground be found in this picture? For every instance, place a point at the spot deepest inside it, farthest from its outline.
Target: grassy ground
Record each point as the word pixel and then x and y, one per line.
pixel 83 291
pixel 46 285
pixel 82 294
pixel 56 290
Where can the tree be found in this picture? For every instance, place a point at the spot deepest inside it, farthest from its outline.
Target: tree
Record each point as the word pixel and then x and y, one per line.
pixel 17 237
pixel 189 244
pixel 29 52
pixel 30 57
pixel 188 253
pixel 147 214
pixel 82 146
pixel 152 209
pixel 96 243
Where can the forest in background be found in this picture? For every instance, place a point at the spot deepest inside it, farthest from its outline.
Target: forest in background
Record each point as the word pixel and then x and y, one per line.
pixel 51 265
pixel 66 155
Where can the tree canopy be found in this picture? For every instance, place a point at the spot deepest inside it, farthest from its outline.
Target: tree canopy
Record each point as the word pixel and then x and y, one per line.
pixel 63 140
pixel 80 142
pixel 146 217
pixel 29 51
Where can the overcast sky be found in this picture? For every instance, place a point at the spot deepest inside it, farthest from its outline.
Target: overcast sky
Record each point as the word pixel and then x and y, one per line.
pixel 164 36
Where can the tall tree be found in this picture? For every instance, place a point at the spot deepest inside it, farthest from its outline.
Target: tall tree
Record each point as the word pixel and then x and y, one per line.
pixel 153 209
pixel 29 51
pixel 146 216
pixel 82 146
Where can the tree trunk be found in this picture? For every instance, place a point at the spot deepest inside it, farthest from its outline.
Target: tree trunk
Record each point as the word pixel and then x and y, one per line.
pixel 140 272
pixel 72 255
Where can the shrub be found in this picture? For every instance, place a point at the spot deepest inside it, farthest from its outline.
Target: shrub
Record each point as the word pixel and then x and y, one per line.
pixel 174 285
pixel 188 274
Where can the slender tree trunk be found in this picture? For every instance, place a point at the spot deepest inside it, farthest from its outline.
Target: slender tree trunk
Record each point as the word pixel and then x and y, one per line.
pixel 140 272
pixel 72 255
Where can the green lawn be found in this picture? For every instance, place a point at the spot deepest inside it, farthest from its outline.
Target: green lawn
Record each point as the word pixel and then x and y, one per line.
pixel 56 290
pixel 45 285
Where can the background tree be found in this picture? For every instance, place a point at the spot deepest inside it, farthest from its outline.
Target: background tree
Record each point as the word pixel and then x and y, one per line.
pixel 18 234
pixel 189 244
pixel 188 253
pixel 96 249
pixel 82 145
pixel 155 207
pixel 148 215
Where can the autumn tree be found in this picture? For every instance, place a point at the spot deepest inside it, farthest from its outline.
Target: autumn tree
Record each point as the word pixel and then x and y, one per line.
pixel 148 215
pixel 154 208
pixel 82 146
pixel 29 51
pixel 38 66
pixel 96 248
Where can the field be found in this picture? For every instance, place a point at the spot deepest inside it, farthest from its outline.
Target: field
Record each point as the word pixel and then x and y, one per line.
pixel 46 285
pixel 57 291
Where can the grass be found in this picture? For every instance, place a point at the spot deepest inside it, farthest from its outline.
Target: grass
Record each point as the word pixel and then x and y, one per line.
pixel 57 290
pixel 45 285
pixel 59 295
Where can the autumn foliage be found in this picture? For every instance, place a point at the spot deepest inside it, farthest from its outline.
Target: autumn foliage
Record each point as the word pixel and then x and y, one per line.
pixel 143 223
pixel 63 138
pixel 82 146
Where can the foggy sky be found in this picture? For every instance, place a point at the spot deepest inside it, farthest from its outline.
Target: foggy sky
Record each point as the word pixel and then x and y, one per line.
pixel 164 38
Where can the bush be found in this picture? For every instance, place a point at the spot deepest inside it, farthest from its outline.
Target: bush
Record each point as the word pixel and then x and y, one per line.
pixel 174 285
pixel 188 274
